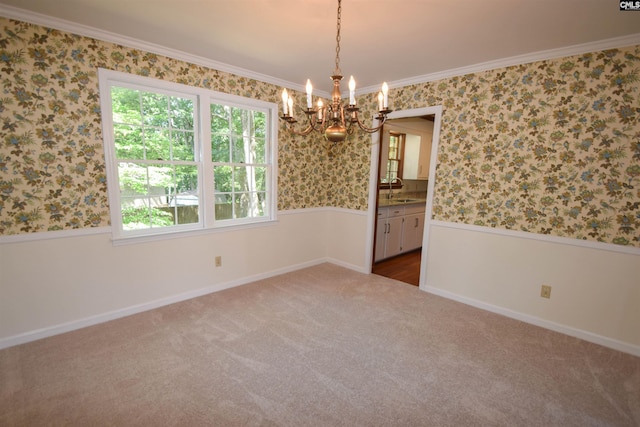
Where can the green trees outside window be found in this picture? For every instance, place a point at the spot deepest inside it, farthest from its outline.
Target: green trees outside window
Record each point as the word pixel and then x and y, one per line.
pixel 182 158
pixel 239 162
pixel 154 139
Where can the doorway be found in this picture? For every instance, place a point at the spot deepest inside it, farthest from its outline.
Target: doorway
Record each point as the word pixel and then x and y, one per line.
pixel 401 193
pixel 404 267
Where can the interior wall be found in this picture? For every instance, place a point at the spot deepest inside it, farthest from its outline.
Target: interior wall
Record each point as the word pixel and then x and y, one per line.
pixel 53 176
pixel 80 280
pixel 595 293
pixel 549 148
pixel 347 239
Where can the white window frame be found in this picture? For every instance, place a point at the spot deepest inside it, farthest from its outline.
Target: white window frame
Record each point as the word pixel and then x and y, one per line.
pixel 202 123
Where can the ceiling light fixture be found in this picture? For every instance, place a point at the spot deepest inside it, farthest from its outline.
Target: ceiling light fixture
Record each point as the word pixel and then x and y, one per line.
pixel 335 120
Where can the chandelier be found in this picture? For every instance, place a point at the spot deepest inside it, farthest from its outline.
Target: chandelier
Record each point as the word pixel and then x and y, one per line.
pixel 334 120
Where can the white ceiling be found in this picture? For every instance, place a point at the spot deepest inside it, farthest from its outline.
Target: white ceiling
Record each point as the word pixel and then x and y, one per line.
pixel 381 40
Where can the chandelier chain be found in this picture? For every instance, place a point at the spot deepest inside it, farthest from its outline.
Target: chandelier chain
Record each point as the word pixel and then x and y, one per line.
pixel 337 71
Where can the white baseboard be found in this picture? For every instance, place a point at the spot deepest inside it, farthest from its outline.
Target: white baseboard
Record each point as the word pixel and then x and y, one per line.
pixel 116 314
pixel 350 266
pixel 139 308
pixel 556 327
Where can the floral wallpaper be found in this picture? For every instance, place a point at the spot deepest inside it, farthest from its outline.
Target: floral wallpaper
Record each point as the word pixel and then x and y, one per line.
pixel 551 147
pixel 52 168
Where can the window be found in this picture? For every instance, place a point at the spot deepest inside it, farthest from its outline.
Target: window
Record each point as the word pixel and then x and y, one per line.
pixel 239 162
pixel 394 162
pixel 392 159
pixel 181 158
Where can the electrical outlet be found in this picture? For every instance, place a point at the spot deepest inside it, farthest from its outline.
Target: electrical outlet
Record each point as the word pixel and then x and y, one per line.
pixel 218 261
pixel 545 291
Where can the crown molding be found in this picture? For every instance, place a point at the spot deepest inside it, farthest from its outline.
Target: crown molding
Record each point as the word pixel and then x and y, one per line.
pixel 83 30
pixel 616 42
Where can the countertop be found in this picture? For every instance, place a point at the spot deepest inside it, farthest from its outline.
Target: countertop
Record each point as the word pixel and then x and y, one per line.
pixel 382 202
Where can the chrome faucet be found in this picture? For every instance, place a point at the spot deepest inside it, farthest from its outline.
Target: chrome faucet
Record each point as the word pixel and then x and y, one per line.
pixel 391 181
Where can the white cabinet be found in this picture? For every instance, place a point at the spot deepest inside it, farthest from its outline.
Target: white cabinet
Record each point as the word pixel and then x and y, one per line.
pixel 389 232
pixel 381 234
pixel 393 245
pixel 424 159
pixel 412 228
pixel 417 148
pixel 399 229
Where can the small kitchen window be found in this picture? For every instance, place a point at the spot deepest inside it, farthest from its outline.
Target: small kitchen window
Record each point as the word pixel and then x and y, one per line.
pixel 392 162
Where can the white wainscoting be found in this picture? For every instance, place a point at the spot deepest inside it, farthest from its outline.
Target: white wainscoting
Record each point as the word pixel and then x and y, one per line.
pixel 595 287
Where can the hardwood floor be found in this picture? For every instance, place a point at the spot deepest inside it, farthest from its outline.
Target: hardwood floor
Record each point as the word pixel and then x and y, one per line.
pixel 405 267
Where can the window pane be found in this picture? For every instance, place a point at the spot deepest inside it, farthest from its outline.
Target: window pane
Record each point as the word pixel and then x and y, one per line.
pixel 259 151
pixel 223 179
pixel 249 204
pixel 154 180
pixel 220 148
pixel 242 205
pixel 393 147
pixel 155 109
pixel 239 146
pixel 183 145
pixel 240 178
pixel 260 176
pixel 157 144
pixel 186 202
pixel 125 104
pixel 241 135
pixel 181 113
pixel 139 213
pixel 186 214
pixel 128 141
pixel 187 179
pixel 135 213
pixel 220 116
pixel 160 178
pixel 133 178
pixel 224 208
pixel 260 127
pixel 238 117
pixel 262 204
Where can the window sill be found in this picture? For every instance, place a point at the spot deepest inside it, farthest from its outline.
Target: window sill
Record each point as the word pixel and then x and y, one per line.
pixel 180 234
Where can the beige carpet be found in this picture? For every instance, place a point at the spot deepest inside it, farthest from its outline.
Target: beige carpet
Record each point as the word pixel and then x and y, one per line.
pixel 324 346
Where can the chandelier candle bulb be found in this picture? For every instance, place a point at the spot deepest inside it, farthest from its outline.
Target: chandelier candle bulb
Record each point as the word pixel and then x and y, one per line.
pixel 352 91
pixel 380 101
pixel 320 105
pixel 385 94
pixel 290 102
pixel 285 101
pixel 309 96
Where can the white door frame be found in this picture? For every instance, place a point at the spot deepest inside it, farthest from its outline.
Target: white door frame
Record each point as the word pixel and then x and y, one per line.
pixel 373 183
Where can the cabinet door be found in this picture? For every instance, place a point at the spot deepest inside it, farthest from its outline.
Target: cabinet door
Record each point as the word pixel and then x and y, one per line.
pixel 394 236
pixel 413 229
pixel 381 237
pixel 423 165
pixel 411 157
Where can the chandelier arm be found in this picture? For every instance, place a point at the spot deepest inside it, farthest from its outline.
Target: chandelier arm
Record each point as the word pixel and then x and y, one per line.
pixel 313 123
pixel 316 125
pixel 381 120
pixel 304 132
